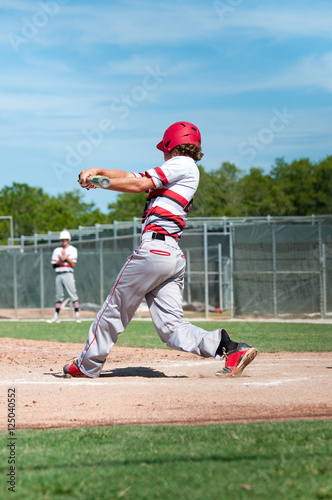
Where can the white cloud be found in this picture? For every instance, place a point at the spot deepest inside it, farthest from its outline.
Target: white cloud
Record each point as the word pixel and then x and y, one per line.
pixel 166 24
pixel 20 5
pixel 310 72
pixel 277 21
pixel 314 70
pixel 171 23
pixel 40 104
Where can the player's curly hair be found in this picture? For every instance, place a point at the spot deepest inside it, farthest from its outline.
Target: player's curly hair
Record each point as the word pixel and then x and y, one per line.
pixel 191 150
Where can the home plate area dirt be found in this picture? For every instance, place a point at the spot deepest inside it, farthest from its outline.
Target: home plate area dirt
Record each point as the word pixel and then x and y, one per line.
pixel 159 387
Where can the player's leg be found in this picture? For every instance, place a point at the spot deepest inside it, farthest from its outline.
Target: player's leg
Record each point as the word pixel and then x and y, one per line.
pixel 59 296
pixel 165 304
pixel 141 272
pixel 70 285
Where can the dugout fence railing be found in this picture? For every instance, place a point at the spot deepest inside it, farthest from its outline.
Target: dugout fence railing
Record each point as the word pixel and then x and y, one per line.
pixel 132 228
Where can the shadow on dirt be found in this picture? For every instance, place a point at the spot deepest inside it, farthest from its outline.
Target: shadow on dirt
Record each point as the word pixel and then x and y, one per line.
pixel 137 371
pixel 131 371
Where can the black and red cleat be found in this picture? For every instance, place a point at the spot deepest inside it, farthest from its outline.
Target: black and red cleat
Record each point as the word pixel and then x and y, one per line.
pixel 237 360
pixel 72 370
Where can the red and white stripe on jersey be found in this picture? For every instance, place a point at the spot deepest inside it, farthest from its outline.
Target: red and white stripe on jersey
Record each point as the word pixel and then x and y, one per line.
pixel 64 267
pixel 162 176
pixel 169 203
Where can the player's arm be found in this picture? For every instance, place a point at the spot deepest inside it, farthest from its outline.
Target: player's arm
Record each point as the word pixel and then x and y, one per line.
pixel 110 173
pixel 63 258
pixel 122 181
pixel 66 258
pixel 56 261
pixel 71 262
pixel 131 184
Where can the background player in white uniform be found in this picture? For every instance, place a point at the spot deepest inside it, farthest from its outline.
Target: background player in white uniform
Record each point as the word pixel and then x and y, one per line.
pixel 156 268
pixel 64 259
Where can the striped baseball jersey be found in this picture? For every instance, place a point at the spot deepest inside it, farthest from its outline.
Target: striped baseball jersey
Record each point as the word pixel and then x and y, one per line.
pixel 64 266
pixel 169 202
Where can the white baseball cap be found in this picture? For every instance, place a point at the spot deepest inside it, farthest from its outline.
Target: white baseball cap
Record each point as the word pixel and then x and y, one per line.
pixel 65 235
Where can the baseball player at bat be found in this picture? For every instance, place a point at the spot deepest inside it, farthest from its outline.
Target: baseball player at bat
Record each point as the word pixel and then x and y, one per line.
pixel 155 270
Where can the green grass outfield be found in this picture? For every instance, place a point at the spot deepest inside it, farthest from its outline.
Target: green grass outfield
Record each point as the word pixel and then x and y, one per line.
pixel 289 460
pixel 267 337
pixel 279 460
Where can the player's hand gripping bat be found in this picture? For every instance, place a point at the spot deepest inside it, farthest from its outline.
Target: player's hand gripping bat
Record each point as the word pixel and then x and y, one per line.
pixel 98 181
pixel 101 181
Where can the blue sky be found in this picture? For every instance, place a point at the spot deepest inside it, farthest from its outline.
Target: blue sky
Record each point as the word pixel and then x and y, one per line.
pixel 86 84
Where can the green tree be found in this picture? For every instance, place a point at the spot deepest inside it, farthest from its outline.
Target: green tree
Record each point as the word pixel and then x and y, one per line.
pixel 34 211
pixel 228 192
pixel 204 196
pixel 295 186
pixel 256 194
pixel 322 187
pixel 127 206
pixel 218 193
pixel 24 203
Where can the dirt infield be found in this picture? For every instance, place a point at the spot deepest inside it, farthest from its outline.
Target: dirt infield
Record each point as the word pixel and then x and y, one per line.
pixel 157 386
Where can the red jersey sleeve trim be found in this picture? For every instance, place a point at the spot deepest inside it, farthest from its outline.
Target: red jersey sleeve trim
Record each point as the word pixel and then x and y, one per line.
pixel 162 176
pixel 150 177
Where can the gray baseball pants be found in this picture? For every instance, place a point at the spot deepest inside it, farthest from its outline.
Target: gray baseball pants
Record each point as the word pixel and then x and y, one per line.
pixel 67 281
pixel 154 271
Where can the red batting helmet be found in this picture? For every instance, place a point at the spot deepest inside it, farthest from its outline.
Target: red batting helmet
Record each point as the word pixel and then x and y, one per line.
pixel 179 133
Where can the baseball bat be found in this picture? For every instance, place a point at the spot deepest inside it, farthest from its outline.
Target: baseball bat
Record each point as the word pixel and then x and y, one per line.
pixel 101 181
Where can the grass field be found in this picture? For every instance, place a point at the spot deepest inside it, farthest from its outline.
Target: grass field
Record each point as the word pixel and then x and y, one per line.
pixel 267 337
pixel 280 460
pixel 254 461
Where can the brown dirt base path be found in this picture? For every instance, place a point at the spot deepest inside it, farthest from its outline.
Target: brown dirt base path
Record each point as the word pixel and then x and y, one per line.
pixel 157 386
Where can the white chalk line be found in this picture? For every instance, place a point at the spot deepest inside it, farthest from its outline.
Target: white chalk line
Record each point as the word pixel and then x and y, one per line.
pixel 111 382
pixel 281 382
pixel 72 382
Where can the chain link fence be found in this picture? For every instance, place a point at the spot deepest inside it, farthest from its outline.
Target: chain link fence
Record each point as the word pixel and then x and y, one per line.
pixel 267 268
pixel 282 269
pixel 27 279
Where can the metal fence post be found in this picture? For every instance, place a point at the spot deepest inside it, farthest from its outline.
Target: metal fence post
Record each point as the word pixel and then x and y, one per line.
pixel 188 275
pixel 274 266
pixel 42 298
pixel 322 271
pixel 324 280
pixel 115 235
pixel 231 258
pixel 101 260
pixel 97 231
pixel 225 223
pixel 15 285
pixel 221 302
pixel 206 271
